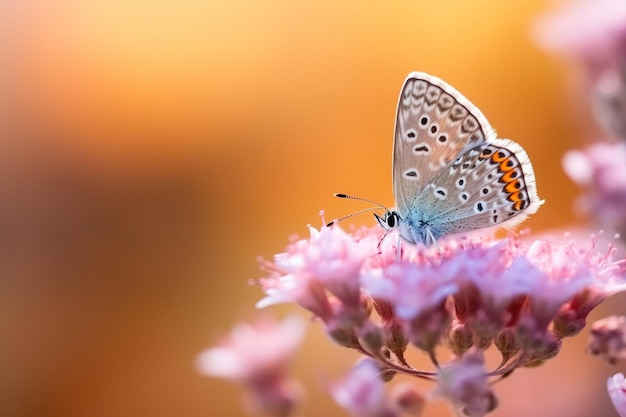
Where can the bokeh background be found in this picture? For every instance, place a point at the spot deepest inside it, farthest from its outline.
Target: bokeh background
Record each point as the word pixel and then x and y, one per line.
pixel 151 150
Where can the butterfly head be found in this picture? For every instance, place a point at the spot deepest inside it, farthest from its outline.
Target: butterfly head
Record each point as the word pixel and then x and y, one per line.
pixel 389 221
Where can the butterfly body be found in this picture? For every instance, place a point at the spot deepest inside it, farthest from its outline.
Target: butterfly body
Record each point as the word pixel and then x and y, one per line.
pixel 451 174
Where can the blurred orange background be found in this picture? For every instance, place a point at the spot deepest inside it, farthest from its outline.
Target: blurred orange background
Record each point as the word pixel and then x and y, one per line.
pixel 150 151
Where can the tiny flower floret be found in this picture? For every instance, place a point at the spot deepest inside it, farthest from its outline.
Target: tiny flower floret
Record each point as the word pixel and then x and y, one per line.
pixel 617 392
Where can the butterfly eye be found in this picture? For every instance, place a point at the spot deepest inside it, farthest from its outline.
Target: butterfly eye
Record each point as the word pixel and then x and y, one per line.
pixel 392 219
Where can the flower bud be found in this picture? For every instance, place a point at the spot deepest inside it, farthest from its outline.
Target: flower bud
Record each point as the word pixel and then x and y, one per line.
pixel 460 338
pixel 568 323
pixel 506 342
pixel 371 337
pixel 342 335
pixel 427 329
pixel 397 340
pixel 551 348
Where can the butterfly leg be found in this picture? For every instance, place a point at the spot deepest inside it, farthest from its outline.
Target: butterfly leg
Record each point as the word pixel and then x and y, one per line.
pixel 432 239
pixel 380 242
pixel 399 249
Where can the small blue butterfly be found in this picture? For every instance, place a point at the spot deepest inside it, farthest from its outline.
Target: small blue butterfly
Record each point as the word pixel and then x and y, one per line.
pixel 451 174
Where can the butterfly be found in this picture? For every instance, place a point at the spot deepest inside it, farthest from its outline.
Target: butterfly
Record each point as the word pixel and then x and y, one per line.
pixel 451 173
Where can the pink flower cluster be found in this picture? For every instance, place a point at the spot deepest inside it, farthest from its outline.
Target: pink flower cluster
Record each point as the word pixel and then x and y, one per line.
pixel 592 31
pixel 468 294
pixel 258 356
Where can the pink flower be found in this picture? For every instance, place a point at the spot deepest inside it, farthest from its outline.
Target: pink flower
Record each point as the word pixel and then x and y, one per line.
pixel 565 272
pixel 593 31
pixel 411 288
pixel 465 383
pixel 617 391
pixel 417 293
pixel 607 339
pixel 600 170
pixel 492 281
pixel 608 278
pixel 362 392
pixel 257 355
pixel 296 288
pixel 470 293
pixel 609 100
pixel 330 261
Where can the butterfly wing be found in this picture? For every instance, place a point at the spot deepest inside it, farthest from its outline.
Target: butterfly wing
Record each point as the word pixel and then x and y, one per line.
pixel 491 185
pixel 434 125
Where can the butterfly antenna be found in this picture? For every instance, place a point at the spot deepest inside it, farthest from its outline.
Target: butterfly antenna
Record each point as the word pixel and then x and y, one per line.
pixel 351 197
pixel 367 200
pixel 352 215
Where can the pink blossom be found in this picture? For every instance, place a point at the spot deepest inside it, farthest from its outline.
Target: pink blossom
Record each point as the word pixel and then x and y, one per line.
pixel 470 293
pixel 608 278
pixel 411 288
pixel 254 350
pixel 257 355
pixel 607 339
pixel 362 392
pixel 418 294
pixel 492 280
pixel 593 31
pixel 565 274
pixel 330 261
pixel 609 100
pixel 600 170
pixel 464 382
pixel 300 289
pixel 617 391
pixel 335 258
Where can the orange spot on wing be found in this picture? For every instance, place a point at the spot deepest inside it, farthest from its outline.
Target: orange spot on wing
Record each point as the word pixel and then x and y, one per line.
pixel 518 202
pixel 506 165
pixel 497 158
pixel 512 187
pixel 508 177
pixel 514 197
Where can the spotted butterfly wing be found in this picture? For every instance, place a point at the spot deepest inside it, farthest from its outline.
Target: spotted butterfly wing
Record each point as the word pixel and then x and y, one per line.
pixel 451 174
